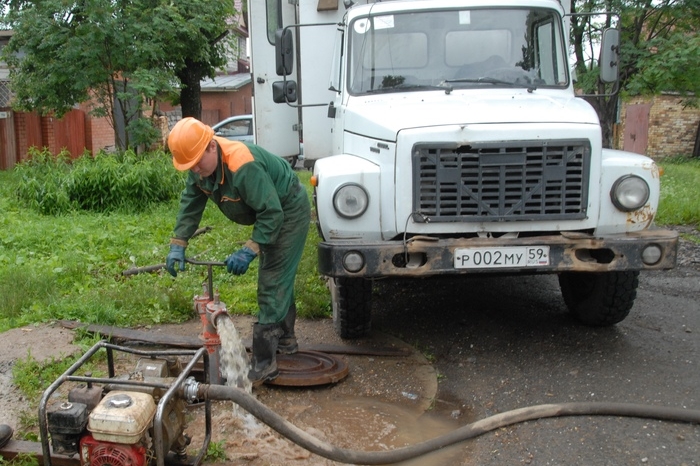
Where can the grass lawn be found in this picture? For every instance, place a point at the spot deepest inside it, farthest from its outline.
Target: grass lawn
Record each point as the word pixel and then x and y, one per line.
pixel 70 266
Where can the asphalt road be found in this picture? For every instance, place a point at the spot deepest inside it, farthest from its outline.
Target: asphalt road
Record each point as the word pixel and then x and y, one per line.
pixel 501 343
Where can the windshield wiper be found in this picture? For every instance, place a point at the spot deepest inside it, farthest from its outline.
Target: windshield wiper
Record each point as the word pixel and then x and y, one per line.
pixel 443 86
pixel 487 80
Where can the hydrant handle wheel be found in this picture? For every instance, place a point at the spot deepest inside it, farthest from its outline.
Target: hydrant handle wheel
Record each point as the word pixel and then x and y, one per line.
pixel 209 263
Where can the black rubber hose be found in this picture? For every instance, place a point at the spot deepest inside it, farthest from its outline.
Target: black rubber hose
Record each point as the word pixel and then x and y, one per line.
pixel 475 429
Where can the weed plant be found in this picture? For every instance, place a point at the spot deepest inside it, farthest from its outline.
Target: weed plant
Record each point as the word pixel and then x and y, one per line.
pixel 67 263
pixel 22 459
pixel 216 452
pixel 33 377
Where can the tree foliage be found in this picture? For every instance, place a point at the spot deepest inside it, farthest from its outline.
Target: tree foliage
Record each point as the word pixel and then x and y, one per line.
pixel 660 50
pixel 119 55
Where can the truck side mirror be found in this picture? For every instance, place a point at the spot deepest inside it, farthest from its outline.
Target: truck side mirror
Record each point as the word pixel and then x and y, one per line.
pixel 284 52
pixel 610 55
pixel 284 92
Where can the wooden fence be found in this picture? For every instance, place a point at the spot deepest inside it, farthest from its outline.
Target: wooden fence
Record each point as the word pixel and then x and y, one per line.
pixel 19 131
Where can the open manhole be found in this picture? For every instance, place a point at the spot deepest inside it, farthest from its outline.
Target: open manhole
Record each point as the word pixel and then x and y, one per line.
pixel 309 368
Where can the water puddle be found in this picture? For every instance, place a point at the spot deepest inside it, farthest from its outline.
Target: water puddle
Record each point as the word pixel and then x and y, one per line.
pixel 373 425
pixel 334 414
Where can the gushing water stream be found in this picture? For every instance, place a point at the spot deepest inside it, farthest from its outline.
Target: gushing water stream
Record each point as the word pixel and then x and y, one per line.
pixel 235 366
pixel 234 359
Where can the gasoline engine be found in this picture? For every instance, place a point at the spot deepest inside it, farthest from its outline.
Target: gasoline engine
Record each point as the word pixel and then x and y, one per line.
pixel 138 418
pixel 124 420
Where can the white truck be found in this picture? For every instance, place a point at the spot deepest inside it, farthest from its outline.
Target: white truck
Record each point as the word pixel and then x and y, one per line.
pixel 446 138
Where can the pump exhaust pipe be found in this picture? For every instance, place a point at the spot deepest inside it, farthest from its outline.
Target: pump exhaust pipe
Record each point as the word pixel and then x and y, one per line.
pixel 192 390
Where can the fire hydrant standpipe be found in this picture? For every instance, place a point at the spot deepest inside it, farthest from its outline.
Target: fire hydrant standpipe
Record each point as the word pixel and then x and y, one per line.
pixel 209 308
pixel 469 431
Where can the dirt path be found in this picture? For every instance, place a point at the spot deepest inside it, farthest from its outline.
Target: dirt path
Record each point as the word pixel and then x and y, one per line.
pixel 42 342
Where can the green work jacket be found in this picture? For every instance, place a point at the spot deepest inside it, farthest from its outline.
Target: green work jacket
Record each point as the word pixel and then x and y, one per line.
pixel 250 186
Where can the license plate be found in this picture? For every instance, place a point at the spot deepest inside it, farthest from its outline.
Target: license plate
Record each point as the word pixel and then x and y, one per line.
pixel 490 258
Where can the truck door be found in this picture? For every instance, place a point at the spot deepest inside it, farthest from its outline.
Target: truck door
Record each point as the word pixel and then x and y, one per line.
pixel 276 125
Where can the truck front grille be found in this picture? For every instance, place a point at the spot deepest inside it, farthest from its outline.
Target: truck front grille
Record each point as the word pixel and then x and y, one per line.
pixel 514 181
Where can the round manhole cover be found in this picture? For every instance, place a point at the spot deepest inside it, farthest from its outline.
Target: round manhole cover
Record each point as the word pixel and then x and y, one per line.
pixel 309 368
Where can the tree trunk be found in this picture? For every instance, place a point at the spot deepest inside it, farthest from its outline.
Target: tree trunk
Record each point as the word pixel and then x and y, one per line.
pixel 191 91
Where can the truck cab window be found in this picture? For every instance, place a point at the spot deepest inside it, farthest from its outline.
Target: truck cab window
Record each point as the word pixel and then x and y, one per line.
pixel 468 48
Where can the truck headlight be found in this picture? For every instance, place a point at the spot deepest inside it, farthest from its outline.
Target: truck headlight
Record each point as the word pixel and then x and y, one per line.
pixel 629 193
pixel 350 200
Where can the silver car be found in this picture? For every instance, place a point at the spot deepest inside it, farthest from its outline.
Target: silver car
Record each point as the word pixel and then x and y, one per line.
pixel 236 128
pixel 240 128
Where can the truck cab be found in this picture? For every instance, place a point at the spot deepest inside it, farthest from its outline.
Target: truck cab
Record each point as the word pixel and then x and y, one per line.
pixel 451 142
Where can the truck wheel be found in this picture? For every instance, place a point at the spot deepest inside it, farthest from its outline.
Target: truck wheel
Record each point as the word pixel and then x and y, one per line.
pixel 599 299
pixel 352 306
pixel 292 160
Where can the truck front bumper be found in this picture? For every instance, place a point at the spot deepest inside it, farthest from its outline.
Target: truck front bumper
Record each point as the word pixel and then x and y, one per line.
pixel 574 252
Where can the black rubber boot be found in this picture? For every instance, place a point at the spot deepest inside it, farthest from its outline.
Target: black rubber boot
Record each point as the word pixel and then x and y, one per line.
pixel 5 434
pixel 263 365
pixel 288 341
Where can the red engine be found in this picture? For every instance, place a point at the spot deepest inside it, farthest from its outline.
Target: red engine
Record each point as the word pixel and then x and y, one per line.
pixel 100 453
pixel 110 423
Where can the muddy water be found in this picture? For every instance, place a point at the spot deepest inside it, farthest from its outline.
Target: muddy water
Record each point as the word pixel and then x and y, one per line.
pixel 369 411
pixel 372 425
pixel 346 422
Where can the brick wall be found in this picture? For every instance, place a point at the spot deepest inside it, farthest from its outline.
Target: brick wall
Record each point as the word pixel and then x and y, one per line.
pixel 216 106
pixel 28 133
pixel 672 127
pixel 99 134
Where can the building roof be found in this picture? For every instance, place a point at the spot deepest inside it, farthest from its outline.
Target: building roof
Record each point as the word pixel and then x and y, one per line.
pixel 230 82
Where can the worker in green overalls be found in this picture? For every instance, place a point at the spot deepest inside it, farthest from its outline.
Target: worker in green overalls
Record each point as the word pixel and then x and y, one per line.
pixel 251 186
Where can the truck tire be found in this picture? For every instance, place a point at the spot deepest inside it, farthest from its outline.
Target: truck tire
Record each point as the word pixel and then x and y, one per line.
pixel 599 299
pixel 293 160
pixel 352 306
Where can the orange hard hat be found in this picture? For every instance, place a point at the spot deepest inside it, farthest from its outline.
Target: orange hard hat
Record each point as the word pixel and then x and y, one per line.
pixel 187 141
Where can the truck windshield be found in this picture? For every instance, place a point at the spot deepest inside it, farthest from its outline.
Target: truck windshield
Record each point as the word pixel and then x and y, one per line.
pixel 425 50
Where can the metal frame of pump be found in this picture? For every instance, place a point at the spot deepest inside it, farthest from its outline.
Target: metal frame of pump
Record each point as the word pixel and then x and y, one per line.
pixel 159 448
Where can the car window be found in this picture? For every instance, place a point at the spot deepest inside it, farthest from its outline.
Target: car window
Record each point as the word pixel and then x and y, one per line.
pixel 236 128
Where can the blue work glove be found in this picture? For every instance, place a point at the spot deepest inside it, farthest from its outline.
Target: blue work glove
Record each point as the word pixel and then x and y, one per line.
pixel 238 262
pixel 176 254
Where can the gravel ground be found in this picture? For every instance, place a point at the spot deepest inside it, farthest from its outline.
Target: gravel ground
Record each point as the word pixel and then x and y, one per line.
pixel 689 247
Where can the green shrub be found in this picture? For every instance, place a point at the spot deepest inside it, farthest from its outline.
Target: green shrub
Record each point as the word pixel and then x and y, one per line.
pixel 125 182
pixel 42 182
